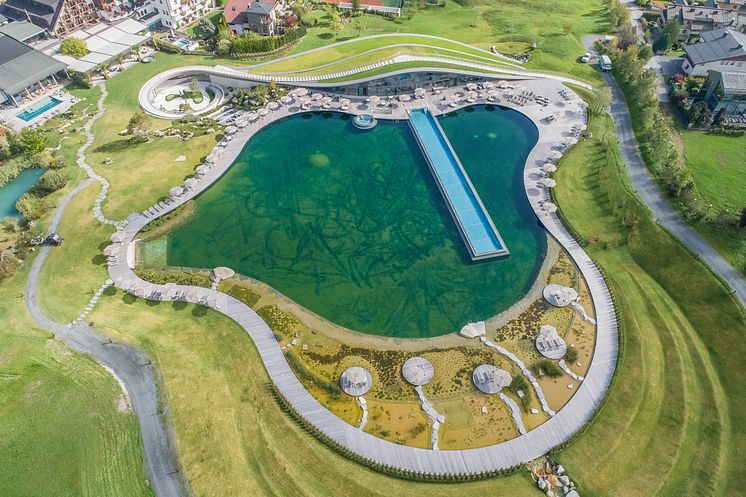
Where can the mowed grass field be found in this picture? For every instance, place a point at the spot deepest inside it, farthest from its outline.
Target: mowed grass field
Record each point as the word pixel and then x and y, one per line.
pixel 64 429
pixel 673 423
pixel 511 25
pixel 718 165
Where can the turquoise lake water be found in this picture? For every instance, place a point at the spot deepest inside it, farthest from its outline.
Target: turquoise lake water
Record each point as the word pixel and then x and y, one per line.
pixel 351 225
pixel 10 193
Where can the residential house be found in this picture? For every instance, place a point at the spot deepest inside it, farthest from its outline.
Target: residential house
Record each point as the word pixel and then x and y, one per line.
pixel 727 4
pixel 59 17
pixel 720 45
pixel 695 20
pixel 726 89
pixel 171 14
pixel 251 15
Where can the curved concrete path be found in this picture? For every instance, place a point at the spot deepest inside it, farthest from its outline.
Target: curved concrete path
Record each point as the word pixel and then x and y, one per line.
pixel 537 442
pixel 127 362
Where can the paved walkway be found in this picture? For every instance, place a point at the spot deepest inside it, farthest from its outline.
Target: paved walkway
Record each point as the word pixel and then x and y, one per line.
pixel 130 365
pixel 567 114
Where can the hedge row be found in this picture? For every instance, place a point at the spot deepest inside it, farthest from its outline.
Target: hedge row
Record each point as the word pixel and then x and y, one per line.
pixel 259 44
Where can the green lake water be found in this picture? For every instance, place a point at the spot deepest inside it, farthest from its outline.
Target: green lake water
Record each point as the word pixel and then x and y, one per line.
pixel 351 225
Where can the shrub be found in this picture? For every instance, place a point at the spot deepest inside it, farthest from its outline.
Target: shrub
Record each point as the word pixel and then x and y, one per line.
pixel 244 294
pixel 571 355
pixel 51 181
pixel 9 264
pixel 31 206
pixel 549 368
pixel 74 47
pixel 172 276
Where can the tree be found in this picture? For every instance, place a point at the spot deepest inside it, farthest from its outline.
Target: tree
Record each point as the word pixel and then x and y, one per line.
pixel 645 53
pixel 627 37
pixel 742 221
pixel 74 47
pixel 672 29
pixel 662 44
pixel 28 141
pixel 194 85
pixel 355 5
pixel 139 126
pixel 223 46
pixel 697 113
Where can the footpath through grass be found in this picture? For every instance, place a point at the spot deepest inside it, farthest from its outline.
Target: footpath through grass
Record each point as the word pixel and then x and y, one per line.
pixel 674 422
pixel 64 426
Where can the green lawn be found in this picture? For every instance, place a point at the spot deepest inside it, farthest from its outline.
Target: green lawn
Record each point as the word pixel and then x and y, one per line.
pixel 61 431
pixel 718 165
pixel 194 30
pixel 673 423
pixel 510 26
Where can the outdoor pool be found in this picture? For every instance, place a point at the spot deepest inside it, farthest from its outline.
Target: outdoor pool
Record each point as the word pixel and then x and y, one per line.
pixel 10 193
pixel 351 225
pixel 38 108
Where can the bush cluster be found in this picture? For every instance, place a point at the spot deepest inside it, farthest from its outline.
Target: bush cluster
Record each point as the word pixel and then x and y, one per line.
pixel 161 277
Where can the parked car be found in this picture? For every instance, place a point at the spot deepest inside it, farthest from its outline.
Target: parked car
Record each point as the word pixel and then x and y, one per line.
pixel 585 58
pixel 605 63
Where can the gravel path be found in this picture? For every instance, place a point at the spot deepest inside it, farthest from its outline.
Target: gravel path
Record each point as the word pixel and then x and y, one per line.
pixel 128 363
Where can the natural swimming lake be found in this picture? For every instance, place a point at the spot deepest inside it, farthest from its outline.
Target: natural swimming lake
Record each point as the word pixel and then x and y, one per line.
pixel 351 225
pixel 10 193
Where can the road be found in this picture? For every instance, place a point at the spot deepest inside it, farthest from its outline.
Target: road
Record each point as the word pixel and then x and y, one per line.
pixel 651 194
pixel 128 363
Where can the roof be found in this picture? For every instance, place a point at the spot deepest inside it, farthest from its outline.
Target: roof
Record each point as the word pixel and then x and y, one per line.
pixel 21 66
pixel 700 14
pixel 104 42
pixel 733 81
pixel 719 44
pixel 264 8
pixel 21 30
pixel 235 10
pixel 3 19
pixel 44 11
pixel 719 65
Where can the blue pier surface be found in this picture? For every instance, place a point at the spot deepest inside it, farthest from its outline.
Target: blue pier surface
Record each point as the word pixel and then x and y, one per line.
pixel 474 223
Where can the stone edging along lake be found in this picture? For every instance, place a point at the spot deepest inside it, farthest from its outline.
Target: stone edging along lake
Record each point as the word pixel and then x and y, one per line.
pixel 557 430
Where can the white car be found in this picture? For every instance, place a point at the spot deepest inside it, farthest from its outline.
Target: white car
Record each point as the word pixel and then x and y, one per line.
pixel 585 58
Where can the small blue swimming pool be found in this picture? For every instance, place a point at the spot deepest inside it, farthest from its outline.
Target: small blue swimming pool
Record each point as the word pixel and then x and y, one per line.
pixel 38 108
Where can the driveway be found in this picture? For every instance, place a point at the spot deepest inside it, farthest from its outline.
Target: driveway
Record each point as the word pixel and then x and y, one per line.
pixel 128 363
pixel 648 189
